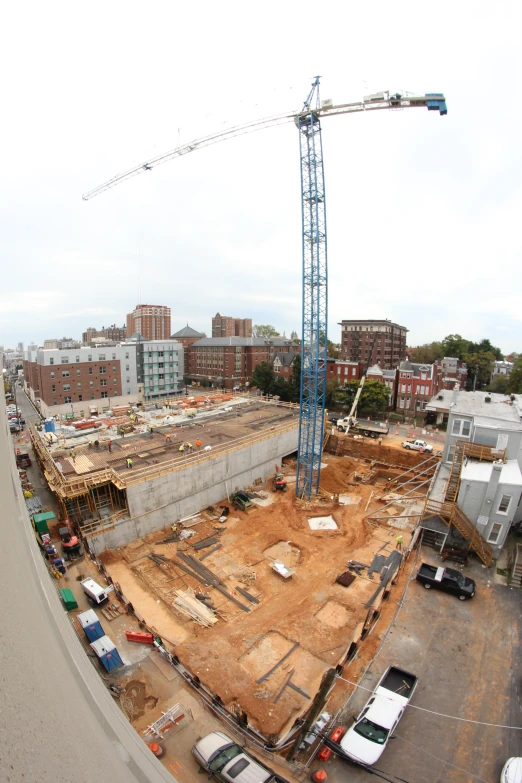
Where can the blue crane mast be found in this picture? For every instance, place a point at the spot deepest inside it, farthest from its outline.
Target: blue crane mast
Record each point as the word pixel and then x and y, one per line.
pixel 315 278
pixel 315 299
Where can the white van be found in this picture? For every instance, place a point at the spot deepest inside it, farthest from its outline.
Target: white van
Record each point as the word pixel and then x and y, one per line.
pixel 95 594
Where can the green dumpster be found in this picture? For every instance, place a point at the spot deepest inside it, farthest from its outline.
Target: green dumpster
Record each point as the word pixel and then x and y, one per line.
pixel 68 599
pixel 40 521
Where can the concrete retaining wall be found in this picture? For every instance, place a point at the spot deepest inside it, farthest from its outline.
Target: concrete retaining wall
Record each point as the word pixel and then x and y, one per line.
pixel 162 501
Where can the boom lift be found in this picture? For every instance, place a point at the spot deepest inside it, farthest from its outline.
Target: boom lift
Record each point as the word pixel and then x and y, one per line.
pixel 315 276
pixel 343 425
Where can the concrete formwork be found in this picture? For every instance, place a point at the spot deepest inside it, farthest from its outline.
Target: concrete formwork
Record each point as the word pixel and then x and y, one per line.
pixel 163 500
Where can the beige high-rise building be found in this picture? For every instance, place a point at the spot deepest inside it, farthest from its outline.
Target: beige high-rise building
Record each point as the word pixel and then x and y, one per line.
pixel 151 321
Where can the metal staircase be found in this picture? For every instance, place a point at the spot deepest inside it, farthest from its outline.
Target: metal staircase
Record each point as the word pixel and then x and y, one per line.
pixel 452 515
pixel 452 488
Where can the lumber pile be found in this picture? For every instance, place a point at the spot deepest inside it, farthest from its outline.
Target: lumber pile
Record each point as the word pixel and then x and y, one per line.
pixel 186 603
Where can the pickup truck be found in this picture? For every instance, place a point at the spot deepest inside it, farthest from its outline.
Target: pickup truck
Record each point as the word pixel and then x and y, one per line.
pixel 372 429
pixel 417 445
pixel 228 762
pixel 365 741
pixel 446 579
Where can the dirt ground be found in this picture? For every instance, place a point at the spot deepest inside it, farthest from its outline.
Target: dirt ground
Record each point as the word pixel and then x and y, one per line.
pixel 308 617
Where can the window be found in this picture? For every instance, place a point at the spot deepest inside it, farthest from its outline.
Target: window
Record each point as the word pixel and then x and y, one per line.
pixel 113 355
pixel 52 375
pixel 67 399
pixel 503 506
pixel 77 359
pixel 78 372
pixel 91 384
pixel 494 533
pixel 461 427
pixel 114 369
pixel 54 402
pixel 115 380
pixel 104 395
pixel 66 386
pixel 79 385
pixel 128 380
pixel 103 370
pixel 126 355
pixel 92 396
pixel 80 399
pixel 51 361
pixel 65 360
pixel 65 373
pixel 103 382
pixel 90 370
pixel 89 359
pixel 53 387
pixel 127 367
pixel 101 357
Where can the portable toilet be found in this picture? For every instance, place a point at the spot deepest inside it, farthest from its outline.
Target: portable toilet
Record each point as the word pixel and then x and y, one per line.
pixel 49 425
pixel 106 651
pixel 68 599
pixel 91 625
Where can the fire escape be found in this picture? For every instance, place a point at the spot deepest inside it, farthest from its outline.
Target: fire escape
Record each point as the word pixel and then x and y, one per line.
pixel 449 512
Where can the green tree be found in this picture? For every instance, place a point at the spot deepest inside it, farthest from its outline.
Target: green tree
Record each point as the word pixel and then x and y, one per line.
pixel 294 381
pixel 333 350
pixel 374 397
pixel 332 388
pixel 263 377
pixel 455 345
pixel 264 330
pixel 484 346
pixel 480 366
pixel 515 378
pixel 427 353
pixel 282 389
pixel 499 384
pixel 295 337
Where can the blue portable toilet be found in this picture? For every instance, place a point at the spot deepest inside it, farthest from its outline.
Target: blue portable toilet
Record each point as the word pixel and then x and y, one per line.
pixel 91 625
pixel 49 425
pixel 106 651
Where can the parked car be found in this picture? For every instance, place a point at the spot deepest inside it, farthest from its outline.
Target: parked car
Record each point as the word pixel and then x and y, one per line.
pixel 227 761
pixel 417 445
pixel 512 771
pixel 446 579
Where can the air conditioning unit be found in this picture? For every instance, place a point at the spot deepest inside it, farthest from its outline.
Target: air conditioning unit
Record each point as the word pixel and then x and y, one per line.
pixel 487 398
pixel 440 396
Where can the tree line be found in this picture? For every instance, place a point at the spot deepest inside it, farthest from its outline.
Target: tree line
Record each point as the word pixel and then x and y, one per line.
pixel 479 358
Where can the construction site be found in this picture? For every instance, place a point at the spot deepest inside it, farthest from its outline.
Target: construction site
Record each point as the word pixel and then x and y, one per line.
pixel 258 595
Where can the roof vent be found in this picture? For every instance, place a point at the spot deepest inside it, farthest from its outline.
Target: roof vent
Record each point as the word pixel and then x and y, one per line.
pixel 487 398
pixel 440 396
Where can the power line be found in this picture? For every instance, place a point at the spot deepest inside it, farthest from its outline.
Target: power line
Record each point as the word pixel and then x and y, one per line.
pixel 439 714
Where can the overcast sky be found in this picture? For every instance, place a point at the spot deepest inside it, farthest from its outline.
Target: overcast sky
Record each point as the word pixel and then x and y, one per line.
pixel 423 211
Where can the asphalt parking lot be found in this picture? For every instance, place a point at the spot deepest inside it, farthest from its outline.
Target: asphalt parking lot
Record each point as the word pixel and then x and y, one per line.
pixel 466 655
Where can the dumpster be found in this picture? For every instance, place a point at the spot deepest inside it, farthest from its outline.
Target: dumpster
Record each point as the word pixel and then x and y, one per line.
pixel 68 599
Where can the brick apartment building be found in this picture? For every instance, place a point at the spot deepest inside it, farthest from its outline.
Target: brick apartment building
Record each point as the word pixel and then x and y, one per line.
pixel 358 336
pixel 224 326
pixel 64 342
pixel 229 361
pixel 62 381
pixel 150 321
pixel 113 334
pixel 283 364
pixel 187 337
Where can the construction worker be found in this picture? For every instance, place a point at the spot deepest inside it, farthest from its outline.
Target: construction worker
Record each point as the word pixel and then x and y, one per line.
pixel 129 462
pixel 151 432
pixel 189 446
pixel 122 432
pixel 379 441
pixel 181 448
pixel 198 444
pixel 109 446
pixel 167 440
pixel 73 455
pixel 398 544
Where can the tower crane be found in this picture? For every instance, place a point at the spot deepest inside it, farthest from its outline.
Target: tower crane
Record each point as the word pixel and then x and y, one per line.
pixel 314 247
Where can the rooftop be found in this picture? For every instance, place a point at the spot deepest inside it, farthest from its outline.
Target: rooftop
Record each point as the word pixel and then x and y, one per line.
pixel 187 331
pixel 481 471
pixel 474 404
pixel 244 341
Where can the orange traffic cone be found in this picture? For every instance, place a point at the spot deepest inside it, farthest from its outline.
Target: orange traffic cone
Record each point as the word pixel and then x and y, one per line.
pixel 158 750
pixel 319 776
